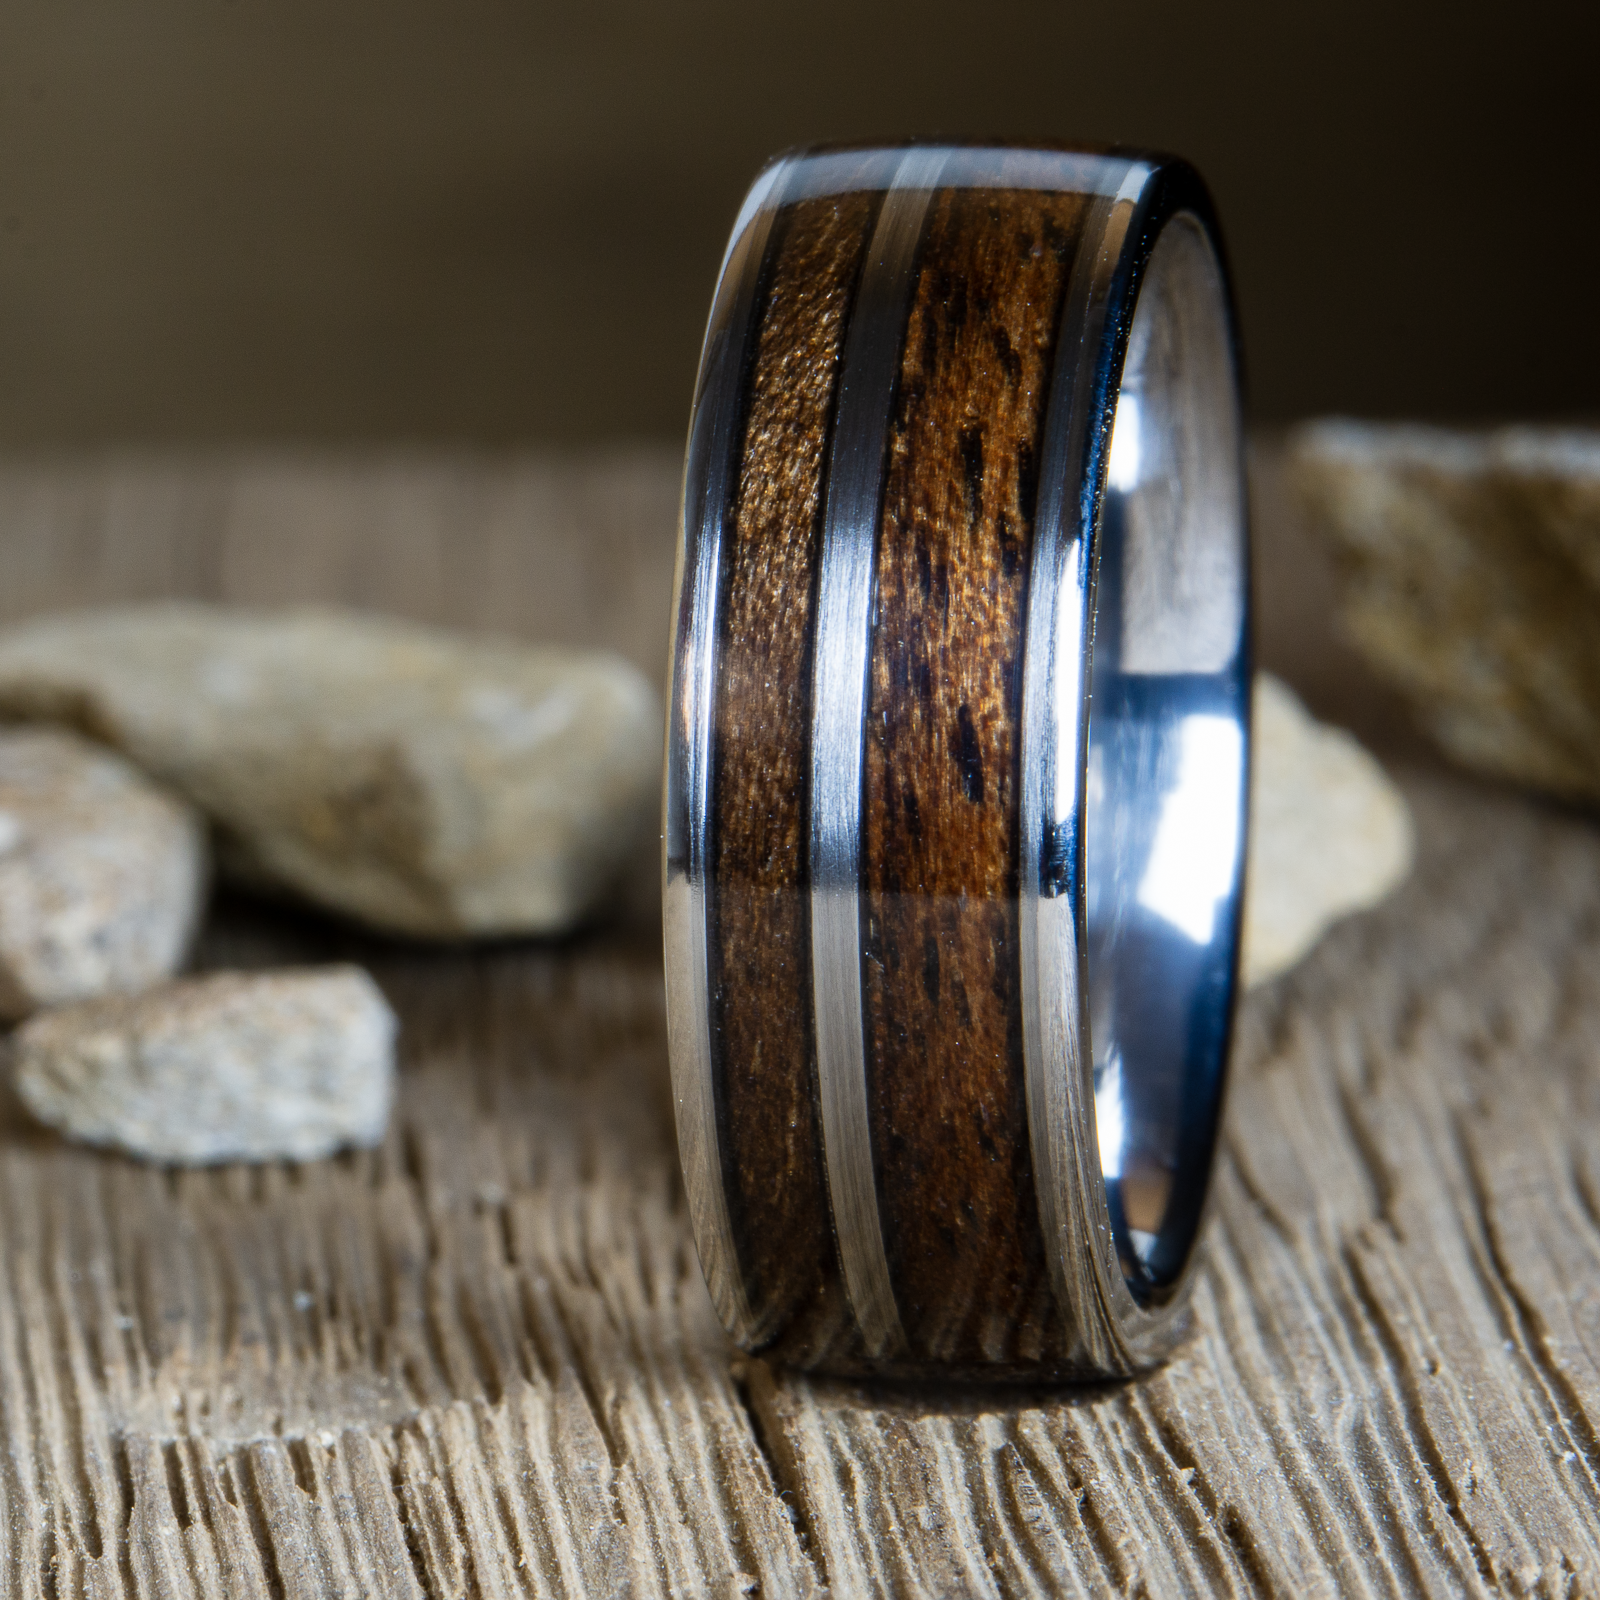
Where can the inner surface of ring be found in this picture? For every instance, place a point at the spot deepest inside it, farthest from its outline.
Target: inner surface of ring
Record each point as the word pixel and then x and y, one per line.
pixel 1166 759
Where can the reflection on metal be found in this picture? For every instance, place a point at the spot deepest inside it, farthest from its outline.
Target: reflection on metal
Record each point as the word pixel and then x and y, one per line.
pixel 1131 798
pixel 1181 577
pixel 708 474
pixel 1060 1120
pixel 1166 761
pixel 1194 856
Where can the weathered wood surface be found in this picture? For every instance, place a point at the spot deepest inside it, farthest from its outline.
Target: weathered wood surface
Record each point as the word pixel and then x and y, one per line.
pixel 480 1361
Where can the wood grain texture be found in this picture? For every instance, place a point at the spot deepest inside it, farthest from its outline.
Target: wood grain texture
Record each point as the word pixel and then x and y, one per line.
pixel 760 939
pixel 480 1361
pixel 941 838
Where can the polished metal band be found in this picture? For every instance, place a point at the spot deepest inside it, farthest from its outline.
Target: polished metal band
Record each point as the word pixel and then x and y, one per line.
pixel 1083 1261
pixel 713 438
pixel 1130 792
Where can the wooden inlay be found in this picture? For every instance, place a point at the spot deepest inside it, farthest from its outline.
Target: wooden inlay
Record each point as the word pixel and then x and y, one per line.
pixel 760 941
pixel 941 838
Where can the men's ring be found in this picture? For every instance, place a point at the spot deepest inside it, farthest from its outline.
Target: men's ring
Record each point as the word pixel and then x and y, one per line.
pixel 957 764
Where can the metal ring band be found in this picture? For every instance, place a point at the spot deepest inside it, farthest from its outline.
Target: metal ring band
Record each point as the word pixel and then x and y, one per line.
pixel 957 760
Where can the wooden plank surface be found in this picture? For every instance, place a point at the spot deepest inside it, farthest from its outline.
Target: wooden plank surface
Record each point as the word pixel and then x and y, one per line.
pixel 480 1360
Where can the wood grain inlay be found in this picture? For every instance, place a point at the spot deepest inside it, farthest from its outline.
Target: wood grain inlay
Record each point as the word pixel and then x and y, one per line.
pixel 940 850
pixel 761 941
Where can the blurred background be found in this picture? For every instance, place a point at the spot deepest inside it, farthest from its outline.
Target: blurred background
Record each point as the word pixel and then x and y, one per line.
pixel 498 223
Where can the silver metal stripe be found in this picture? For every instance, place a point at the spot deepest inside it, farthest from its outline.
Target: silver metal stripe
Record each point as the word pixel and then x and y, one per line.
pixel 832 173
pixel 708 477
pixel 1056 1065
pixel 844 601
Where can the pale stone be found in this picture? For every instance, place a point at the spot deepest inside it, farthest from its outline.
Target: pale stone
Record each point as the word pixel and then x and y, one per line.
pixel 1471 581
pixel 234 1066
pixel 1330 832
pixel 102 873
pixel 423 782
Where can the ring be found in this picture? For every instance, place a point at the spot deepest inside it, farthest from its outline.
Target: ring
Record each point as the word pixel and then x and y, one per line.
pixel 957 760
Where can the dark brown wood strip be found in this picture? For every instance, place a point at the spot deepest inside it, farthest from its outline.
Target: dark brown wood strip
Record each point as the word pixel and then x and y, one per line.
pixel 940 966
pixel 761 937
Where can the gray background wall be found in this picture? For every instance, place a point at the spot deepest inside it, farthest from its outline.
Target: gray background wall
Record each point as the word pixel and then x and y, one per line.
pixel 498 221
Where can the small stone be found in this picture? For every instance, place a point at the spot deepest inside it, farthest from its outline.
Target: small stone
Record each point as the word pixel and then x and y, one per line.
pixel 1471 582
pixel 289 1065
pixel 102 874
pixel 1329 832
pixel 423 782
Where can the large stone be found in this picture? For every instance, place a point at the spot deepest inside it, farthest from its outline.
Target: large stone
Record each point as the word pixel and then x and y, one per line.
pixel 102 873
pixel 233 1066
pixel 423 782
pixel 1471 581
pixel 1330 832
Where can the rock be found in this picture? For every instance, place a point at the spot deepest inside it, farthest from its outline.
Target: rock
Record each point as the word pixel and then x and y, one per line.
pixel 233 1066
pixel 102 874
pixel 1472 583
pixel 1330 833
pixel 422 782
